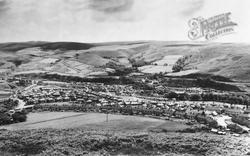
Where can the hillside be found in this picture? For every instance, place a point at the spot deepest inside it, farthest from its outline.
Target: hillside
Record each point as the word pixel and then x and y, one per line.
pixel 75 133
pixel 86 59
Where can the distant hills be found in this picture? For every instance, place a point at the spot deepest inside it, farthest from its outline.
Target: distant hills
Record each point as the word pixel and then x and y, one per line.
pixel 231 60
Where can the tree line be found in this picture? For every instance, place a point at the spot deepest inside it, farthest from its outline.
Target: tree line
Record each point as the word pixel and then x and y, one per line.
pixel 227 98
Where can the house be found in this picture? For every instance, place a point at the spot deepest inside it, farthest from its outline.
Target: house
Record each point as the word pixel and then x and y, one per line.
pixel 191 113
pixel 231 112
pixel 179 114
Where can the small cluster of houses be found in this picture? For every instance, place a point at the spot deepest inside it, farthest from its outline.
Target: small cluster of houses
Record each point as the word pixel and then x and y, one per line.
pixel 68 96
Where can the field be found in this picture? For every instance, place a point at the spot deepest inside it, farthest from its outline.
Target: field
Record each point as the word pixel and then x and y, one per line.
pixel 155 69
pixel 65 120
pixel 169 60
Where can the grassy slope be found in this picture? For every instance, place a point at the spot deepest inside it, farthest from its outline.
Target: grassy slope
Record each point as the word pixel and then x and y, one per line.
pixel 68 133
pixel 214 58
pixel 89 133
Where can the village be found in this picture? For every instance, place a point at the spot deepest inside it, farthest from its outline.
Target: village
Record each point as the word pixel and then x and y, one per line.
pixel 220 117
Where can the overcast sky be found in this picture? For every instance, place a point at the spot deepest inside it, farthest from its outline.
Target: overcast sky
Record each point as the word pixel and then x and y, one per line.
pixel 114 20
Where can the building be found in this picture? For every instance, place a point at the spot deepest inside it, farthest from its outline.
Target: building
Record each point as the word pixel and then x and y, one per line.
pixel 231 112
pixel 191 113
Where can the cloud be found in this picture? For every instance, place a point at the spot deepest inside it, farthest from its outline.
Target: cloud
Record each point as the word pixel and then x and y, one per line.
pixel 76 5
pixel 111 6
pixel 192 6
pixel 102 10
pixel 111 20
pixel 112 10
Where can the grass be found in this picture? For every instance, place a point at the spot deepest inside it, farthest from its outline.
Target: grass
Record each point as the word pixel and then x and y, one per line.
pixel 64 120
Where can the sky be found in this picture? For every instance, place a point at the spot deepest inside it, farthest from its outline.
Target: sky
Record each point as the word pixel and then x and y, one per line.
pixel 115 20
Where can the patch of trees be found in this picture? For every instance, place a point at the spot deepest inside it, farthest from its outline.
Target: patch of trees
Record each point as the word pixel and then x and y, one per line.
pixel 183 96
pixel 102 79
pixel 227 98
pixel 120 70
pixel 138 63
pixel 8 104
pixel 6 118
pixel 143 86
pixel 19 116
pixel 195 97
pixel 209 83
pixel 172 95
pixel 200 82
pixel 179 82
pixel 206 120
pixel 156 76
pixel 181 63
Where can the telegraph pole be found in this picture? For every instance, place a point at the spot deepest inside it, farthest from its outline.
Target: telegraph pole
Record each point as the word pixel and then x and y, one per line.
pixel 107 116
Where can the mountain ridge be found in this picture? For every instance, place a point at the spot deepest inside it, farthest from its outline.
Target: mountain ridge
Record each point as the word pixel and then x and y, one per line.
pixel 224 59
